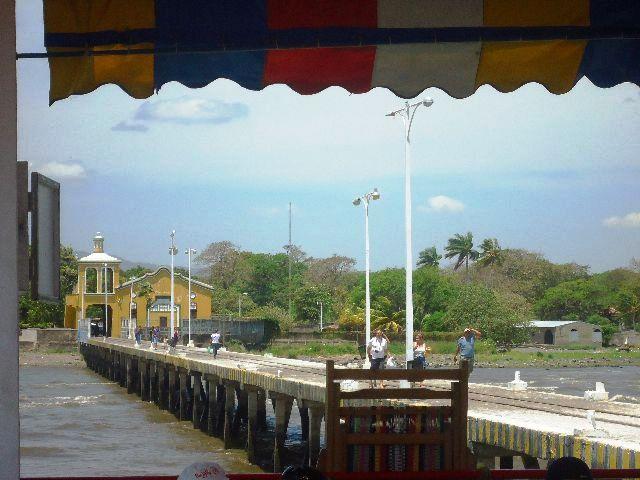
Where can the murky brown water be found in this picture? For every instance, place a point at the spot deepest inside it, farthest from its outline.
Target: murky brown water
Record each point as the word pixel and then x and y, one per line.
pixel 74 422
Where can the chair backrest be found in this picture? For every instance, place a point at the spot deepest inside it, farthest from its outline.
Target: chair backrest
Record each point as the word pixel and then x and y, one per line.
pixel 388 429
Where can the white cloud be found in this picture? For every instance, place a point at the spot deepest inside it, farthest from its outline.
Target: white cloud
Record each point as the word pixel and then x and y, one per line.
pixel 442 203
pixel 630 220
pixel 189 111
pixel 60 170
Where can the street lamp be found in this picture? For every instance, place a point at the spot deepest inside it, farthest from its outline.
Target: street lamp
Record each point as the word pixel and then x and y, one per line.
pixel 320 303
pixel 240 304
pixel 407 114
pixel 190 251
pixel 365 199
pixel 106 311
pixel 173 252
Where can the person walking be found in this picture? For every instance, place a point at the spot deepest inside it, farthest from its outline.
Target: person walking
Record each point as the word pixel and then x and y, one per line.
pixel 155 336
pixel 138 335
pixel 420 350
pixel 377 351
pixel 466 346
pixel 176 337
pixel 215 342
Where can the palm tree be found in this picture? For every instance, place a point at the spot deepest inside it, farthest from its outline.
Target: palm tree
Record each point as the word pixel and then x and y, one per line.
pixel 429 258
pixel 461 246
pixel 491 255
pixel 491 252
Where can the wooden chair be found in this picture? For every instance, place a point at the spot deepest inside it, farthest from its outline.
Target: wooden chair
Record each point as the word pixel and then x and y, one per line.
pixel 387 429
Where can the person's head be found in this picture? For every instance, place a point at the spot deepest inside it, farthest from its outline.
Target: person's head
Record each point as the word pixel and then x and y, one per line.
pixel 302 473
pixel 467 333
pixel 568 468
pixel 378 332
pixel 419 338
pixel 215 331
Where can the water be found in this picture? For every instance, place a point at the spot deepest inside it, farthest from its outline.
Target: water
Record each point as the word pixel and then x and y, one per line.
pixel 74 422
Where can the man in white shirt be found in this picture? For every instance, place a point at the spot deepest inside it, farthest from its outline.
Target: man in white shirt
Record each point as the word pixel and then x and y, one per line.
pixel 377 350
pixel 215 342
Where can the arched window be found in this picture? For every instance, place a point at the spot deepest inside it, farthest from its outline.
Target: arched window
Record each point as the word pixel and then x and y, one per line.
pixel 109 280
pixel 90 280
pixel 548 337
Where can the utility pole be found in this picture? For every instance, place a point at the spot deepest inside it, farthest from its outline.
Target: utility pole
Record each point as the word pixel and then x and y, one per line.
pixel 289 252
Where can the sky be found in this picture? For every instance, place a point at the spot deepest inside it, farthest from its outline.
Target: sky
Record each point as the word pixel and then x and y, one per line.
pixel 553 174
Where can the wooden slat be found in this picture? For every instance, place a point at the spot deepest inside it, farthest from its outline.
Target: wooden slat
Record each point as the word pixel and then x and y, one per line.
pixel 398 374
pixel 395 439
pixel 375 410
pixel 397 393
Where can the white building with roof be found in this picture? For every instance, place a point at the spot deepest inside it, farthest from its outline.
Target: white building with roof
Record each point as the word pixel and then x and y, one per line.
pixel 566 332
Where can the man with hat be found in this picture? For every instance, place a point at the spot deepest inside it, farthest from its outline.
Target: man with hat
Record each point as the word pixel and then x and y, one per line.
pixel 466 346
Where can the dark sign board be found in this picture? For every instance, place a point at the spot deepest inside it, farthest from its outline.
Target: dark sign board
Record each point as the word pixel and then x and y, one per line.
pixel 45 238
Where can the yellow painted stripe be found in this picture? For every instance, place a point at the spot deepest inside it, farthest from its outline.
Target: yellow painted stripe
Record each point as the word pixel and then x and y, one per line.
pixel 577 448
pixel 626 459
pixel 587 453
pixel 536 13
pixel 600 455
pixel 612 456
pixel 494 439
pixel 511 441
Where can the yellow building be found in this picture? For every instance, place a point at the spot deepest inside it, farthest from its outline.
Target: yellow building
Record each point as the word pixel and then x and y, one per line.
pixel 146 300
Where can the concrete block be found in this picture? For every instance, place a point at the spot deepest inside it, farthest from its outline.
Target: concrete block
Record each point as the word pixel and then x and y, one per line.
pixel 516 384
pixel 597 395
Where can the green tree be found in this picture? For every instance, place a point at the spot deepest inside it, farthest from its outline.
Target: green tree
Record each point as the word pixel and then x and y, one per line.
pixel 461 246
pixel 495 316
pixel 429 258
pixel 491 253
pixel 305 302
pixel 134 272
pixel 68 270
pixel 146 293
pixel 581 298
pixel 628 303
pixel 433 291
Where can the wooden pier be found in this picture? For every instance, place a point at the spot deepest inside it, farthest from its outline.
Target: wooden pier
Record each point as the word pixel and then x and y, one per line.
pixel 217 396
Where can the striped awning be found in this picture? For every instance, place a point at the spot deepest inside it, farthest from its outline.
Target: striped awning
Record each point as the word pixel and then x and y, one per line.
pixel 403 45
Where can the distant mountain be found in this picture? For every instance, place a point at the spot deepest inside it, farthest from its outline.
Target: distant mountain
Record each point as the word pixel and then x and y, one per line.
pixel 126 264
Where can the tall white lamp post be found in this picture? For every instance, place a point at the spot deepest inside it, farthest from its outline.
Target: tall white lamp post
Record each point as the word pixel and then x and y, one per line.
pixel 190 251
pixel 365 199
pixel 240 303
pixel 172 251
pixel 320 303
pixel 407 114
pixel 131 297
pixel 106 302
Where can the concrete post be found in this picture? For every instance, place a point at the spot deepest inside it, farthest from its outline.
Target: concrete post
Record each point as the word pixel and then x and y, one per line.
pixel 241 410
pixel 129 367
pixel 143 387
pixel 123 369
pixel 304 420
pixel 212 403
pixel 282 409
pixel 262 410
pixel 229 409
pixel 161 400
pixel 316 412
pixel 197 404
pixel 171 387
pixel 183 407
pixel 252 422
pixel 153 394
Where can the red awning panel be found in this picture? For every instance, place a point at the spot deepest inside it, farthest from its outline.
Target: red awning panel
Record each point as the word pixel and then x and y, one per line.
pixel 403 45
